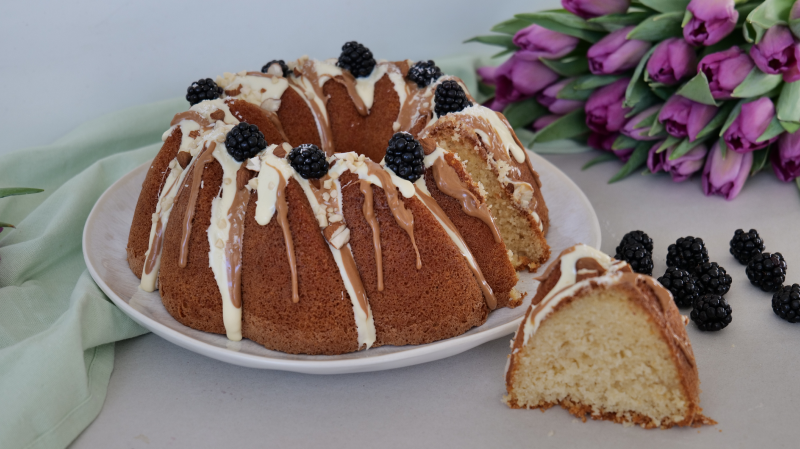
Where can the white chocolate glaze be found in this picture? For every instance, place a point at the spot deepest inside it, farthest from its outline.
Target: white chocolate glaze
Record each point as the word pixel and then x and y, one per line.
pixel 254 88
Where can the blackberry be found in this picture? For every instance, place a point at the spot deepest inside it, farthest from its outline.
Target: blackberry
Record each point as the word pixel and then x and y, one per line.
pixel 687 253
pixel 205 89
pixel 786 303
pixel 682 286
pixel 745 245
pixel 309 161
pixel 404 156
pixel 767 271
pixel 424 73
pixel 711 312
pixel 357 59
pixel 712 278
pixel 244 141
pixel 637 237
pixel 637 257
pixel 280 62
pixel 450 97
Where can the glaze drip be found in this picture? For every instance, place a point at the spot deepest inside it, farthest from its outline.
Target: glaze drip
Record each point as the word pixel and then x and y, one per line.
pixel 283 218
pixel 369 215
pixel 205 156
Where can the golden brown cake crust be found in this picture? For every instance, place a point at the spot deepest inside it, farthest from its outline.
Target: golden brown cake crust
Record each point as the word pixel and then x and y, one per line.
pixel 441 300
pixel 297 120
pixel 139 237
pixel 640 290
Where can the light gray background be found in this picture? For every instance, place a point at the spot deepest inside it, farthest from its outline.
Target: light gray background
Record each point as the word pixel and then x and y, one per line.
pixel 62 64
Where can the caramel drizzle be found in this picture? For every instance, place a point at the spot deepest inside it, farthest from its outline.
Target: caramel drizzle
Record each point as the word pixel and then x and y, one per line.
pixel 234 245
pixel 351 269
pixel 488 294
pixel 262 75
pixel 283 219
pixel 402 216
pixel 203 158
pixel 369 215
pixel 412 108
pixel 450 184
pixel 276 122
pixel 323 125
pixel 349 82
pixel 156 247
pixel 191 116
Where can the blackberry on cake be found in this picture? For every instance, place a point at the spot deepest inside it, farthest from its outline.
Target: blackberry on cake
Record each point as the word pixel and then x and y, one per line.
pixel 424 73
pixel 682 286
pixel 711 312
pixel 244 141
pixel 450 97
pixel 639 237
pixel 687 253
pixel 767 271
pixel 405 156
pixel 281 63
pixel 309 161
pixel 745 245
pixel 204 89
pixel 712 278
pixel 786 303
pixel 637 257
pixel 357 59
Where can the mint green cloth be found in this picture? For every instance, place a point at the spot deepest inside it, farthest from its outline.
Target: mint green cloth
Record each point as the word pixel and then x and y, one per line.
pixel 57 328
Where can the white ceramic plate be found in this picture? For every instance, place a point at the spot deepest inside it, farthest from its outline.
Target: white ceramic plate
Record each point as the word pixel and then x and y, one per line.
pixel 105 237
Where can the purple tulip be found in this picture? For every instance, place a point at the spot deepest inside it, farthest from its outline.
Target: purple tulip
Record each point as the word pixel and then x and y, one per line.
pixel 711 21
pixel 595 8
pixel 519 78
pixel 543 121
pixel 726 176
pixel 725 70
pixel 672 60
pixel 681 168
pixel 751 123
pixel 615 53
pixel 536 42
pixel 604 111
pixel 683 117
pixel 634 130
pixel 488 75
pixel 786 160
pixel 548 98
pixel 777 53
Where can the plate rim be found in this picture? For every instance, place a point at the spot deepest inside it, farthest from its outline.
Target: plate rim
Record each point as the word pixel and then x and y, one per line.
pixel 412 356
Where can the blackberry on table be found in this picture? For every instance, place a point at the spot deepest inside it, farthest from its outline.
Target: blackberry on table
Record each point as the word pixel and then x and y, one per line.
pixel 786 303
pixel 682 286
pixel 637 257
pixel 204 89
pixel 450 97
pixel 244 141
pixel 712 278
pixel 424 73
pixel 711 312
pixel 405 156
pixel 639 237
pixel 767 271
pixel 281 63
pixel 745 245
pixel 309 161
pixel 357 59
pixel 687 253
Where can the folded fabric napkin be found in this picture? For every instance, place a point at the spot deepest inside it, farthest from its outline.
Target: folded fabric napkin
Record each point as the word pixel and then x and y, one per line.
pixel 57 328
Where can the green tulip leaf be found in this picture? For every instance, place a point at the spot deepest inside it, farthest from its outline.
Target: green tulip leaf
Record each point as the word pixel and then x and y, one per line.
pixel 510 26
pixel 13 191
pixel 614 22
pixel 569 93
pixel 737 109
pixel 719 119
pixel 6 225
pixel 756 83
pixel 486 90
pixel 523 113
pixel 788 108
pixel 790 127
pixel 645 102
pixel 500 40
pixel 666 5
pixel 660 27
pixel 637 159
pixel 794 25
pixel 684 147
pixel 595 81
pixel 773 130
pixel 637 88
pixel 570 125
pixel 687 16
pixel 696 89
pixel 565 22
pixel 663 92
pixel 797 182
pixel 605 157
pixel 568 67
pixel 657 127
pixel 671 141
pixel 623 142
pixel 507 51
pixel 760 158
pixel 723 147
pixel 766 15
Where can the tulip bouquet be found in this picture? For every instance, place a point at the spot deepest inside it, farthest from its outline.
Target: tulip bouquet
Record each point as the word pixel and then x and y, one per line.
pixel 681 86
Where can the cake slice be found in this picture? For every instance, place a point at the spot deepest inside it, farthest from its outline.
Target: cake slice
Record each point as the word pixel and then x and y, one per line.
pixel 602 341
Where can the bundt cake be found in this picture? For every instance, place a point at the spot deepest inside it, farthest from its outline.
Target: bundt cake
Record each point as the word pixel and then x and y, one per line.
pixel 601 340
pixel 323 207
